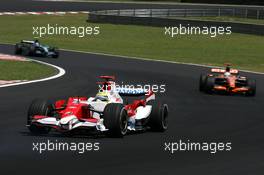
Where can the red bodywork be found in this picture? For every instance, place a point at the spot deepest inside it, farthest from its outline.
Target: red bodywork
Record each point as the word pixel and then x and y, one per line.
pixel 72 106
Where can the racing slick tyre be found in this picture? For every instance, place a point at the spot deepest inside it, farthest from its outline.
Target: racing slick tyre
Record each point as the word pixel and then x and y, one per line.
pixel 25 51
pixel 252 87
pixel 32 51
pixel 209 85
pixel 202 82
pixel 158 119
pixel 38 107
pixel 56 54
pixel 115 119
pixel 18 49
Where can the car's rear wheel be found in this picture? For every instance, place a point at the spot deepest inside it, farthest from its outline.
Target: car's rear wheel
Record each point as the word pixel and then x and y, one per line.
pixel 115 119
pixel 38 107
pixel 209 84
pixel 158 119
pixel 252 85
pixel 25 51
pixel 18 49
pixel 202 82
pixel 32 50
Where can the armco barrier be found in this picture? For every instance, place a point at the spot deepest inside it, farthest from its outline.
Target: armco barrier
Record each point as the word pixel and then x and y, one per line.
pixel 165 17
pixel 170 13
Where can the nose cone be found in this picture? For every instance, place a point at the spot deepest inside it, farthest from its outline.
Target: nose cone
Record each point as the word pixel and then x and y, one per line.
pixel 232 82
pixel 66 120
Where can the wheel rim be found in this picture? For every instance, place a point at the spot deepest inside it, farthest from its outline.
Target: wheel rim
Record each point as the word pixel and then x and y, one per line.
pixel 123 122
pixel 165 117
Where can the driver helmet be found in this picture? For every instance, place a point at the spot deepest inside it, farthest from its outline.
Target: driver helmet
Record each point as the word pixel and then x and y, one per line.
pixel 227 68
pixel 227 71
pixel 36 42
pixel 227 74
pixel 103 96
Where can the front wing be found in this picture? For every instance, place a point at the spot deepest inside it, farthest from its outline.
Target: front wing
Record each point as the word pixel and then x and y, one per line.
pixel 68 123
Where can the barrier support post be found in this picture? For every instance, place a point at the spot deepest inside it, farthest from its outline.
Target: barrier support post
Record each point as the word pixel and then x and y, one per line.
pixel 257 14
pixel 246 13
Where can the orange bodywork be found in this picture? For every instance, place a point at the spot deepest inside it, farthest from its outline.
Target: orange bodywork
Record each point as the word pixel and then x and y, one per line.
pixel 231 85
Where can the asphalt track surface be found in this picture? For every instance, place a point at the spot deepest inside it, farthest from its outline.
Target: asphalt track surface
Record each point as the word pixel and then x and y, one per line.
pixel 193 116
pixel 29 5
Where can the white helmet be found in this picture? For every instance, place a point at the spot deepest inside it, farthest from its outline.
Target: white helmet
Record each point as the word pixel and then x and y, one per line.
pixel 227 74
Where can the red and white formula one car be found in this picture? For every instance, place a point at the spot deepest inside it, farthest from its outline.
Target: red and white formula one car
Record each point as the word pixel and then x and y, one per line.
pixel 105 112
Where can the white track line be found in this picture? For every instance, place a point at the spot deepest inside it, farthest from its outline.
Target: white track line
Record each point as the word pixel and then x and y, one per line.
pixel 61 73
pixel 128 57
pixel 155 60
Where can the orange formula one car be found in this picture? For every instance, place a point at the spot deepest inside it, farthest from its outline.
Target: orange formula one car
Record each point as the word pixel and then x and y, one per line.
pixel 228 81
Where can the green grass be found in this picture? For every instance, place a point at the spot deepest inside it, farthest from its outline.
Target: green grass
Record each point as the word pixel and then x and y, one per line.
pixel 243 51
pixel 229 19
pixel 13 70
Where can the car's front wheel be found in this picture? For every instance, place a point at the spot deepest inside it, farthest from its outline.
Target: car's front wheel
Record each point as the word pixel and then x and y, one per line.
pixel 56 54
pixel 38 107
pixel 252 87
pixel 115 119
pixel 202 82
pixel 209 84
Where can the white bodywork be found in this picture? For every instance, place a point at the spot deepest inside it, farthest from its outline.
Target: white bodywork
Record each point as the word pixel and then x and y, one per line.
pixel 71 122
pixel 143 112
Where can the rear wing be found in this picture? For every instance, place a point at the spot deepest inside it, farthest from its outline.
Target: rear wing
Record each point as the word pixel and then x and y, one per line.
pixel 148 94
pixel 131 91
pixel 27 41
pixel 107 83
pixel 107 77
pixel 217 70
